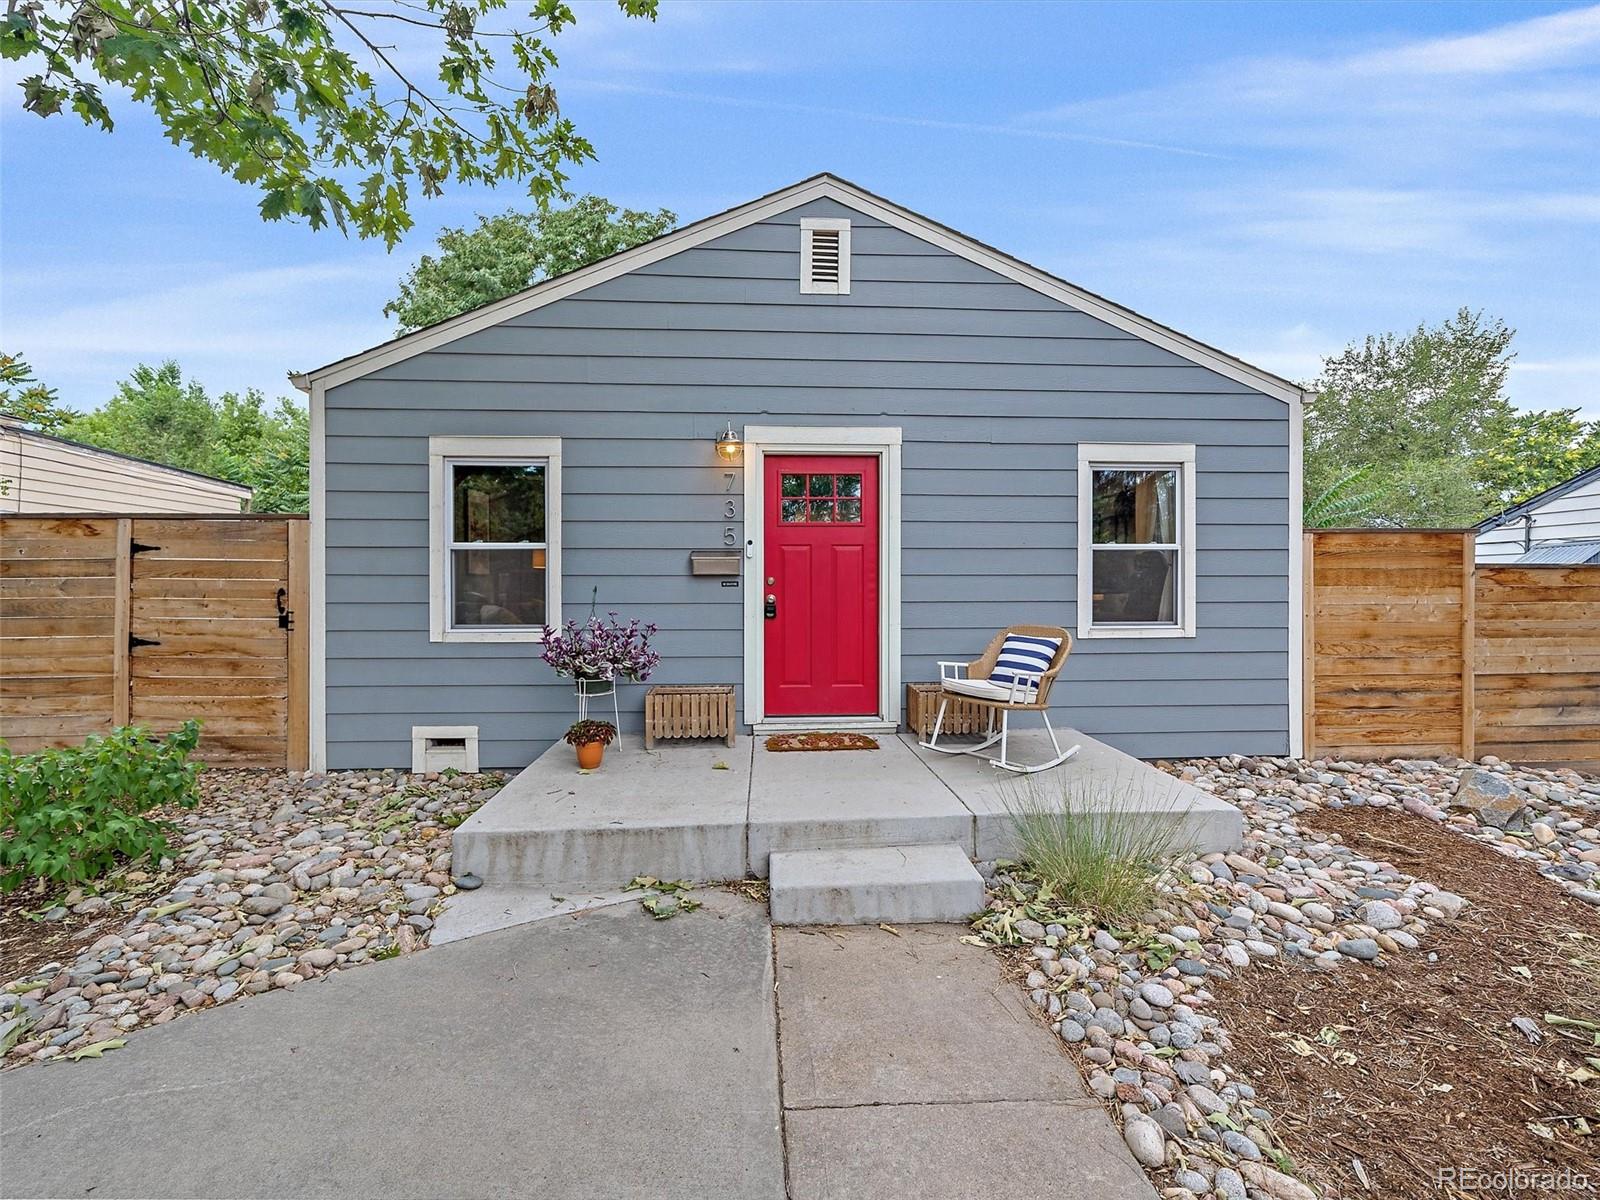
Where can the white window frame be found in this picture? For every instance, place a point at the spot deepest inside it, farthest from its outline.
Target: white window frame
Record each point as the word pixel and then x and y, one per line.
pixel 447 452
pixel 1136 456
pixel 809 286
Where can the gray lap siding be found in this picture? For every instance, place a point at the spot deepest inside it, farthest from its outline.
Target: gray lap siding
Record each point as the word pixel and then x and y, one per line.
pixel 993 385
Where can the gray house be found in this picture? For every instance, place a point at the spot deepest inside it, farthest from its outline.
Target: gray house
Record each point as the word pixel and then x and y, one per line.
pixel 934 440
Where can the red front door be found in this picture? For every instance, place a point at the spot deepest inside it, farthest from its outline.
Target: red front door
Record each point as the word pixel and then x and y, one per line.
pixel 820 592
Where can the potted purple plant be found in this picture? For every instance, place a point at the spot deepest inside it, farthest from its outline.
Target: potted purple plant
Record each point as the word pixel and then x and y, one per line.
pixel 599 654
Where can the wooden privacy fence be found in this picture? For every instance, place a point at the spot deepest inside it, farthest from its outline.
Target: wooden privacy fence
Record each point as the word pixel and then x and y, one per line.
pixel 1412 650
pixel 108 621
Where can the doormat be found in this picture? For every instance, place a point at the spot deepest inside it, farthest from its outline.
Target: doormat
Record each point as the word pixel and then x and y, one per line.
pixel 821 741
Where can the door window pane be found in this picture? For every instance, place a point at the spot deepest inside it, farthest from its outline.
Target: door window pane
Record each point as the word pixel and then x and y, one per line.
pixel 794 511
pixel 849 510
pixel 1135 586
pixel 1135 506
pixel 822 485
pixel 498 587
pixel 849 485
pixel 794 485
pixel 821 511
pixel 498 503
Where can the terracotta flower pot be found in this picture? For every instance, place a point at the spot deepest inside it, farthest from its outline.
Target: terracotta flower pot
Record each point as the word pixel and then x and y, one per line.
pixel 590 754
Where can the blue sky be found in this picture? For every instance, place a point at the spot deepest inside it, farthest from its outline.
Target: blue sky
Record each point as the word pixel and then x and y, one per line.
pixel 1276 179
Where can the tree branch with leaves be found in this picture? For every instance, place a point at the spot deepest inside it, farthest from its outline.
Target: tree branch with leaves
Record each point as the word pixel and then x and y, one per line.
pixel 315 103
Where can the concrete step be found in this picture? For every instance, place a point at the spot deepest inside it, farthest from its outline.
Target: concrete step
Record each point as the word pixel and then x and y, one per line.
pixel 862 886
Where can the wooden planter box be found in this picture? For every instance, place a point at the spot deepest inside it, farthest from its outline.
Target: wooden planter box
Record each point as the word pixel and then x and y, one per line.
pixel 697 711
pixel 961 718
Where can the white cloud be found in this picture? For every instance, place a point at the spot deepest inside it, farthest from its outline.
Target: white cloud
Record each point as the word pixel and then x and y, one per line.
pixel 1031 132
pixel 1554 40
pixel 231 330
pixel 1557 383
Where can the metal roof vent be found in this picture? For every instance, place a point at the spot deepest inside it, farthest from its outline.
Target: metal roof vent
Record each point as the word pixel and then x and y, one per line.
pixel 824 256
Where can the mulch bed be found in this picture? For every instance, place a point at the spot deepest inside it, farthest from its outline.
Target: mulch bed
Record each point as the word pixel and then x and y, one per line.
pixel 821 741
pixel 1414 1068
pixel 27 943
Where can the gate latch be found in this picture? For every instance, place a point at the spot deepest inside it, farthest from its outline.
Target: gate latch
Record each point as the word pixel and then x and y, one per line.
pixel 285 615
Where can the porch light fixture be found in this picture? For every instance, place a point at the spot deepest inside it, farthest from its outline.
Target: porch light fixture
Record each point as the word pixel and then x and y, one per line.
pixel 728 444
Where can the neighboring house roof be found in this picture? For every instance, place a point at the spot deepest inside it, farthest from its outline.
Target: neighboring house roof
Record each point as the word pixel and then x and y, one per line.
pixel 822 186
pixel 1580 552
pixel 6 426
pixel 1518 511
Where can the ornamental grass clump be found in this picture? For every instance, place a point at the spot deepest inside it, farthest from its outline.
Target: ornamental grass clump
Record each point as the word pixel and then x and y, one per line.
pixel 70 815
pixel 1098 847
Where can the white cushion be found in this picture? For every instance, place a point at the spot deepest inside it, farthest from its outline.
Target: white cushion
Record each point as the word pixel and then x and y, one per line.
pixel 1024 654
pixel 985 690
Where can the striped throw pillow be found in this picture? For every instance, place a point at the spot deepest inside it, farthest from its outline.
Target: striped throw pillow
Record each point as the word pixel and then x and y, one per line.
pixel 1024 655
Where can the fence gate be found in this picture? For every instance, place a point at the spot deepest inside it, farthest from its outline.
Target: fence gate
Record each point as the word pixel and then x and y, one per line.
pixel 108 621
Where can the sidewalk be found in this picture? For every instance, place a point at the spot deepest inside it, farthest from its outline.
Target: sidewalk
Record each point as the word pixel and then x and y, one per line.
pixel 910 1067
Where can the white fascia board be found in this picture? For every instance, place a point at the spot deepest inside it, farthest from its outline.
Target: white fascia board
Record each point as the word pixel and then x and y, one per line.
pixel 819 187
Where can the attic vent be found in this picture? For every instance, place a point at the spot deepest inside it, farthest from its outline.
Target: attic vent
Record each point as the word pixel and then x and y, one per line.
pixel 825 256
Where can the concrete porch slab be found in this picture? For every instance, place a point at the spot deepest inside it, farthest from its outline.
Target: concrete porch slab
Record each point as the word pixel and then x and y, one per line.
pixel 712 812
pixel 859 799
pixel 1100 776
pixel 676 813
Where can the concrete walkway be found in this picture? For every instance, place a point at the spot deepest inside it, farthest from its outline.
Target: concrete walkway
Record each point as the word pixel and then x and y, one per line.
pixel 912 1068
pixel 599 1056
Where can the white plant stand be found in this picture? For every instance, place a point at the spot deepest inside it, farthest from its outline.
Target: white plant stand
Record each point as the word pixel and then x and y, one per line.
pixel 589 690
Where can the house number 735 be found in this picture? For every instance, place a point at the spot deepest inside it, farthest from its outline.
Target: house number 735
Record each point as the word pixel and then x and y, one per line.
pixel 730 510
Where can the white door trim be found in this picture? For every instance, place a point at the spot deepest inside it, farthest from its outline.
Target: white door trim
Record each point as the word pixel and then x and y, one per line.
pixel 882 441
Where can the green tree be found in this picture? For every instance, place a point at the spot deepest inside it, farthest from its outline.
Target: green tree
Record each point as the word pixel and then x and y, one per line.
pixel 1415 409
pixel 157 415
pixel 23 398
pixel 509 252
pixel 325 108
pixel 270 451
pixel 1532 451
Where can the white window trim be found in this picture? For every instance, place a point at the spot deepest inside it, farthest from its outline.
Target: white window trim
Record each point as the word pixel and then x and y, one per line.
pixel 442 451
pixel 809 286
pixel 884 441
pixel 1134 454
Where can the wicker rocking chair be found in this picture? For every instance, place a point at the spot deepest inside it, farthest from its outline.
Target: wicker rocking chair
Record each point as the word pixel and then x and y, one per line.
pixel 1014 674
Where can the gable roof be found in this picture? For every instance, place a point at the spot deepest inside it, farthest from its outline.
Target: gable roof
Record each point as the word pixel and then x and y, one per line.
pixel 823 186
pixel 1516 511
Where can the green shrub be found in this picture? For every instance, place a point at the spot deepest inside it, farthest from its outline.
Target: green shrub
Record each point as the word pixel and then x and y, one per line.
pixel 69 815
pixel 1096 846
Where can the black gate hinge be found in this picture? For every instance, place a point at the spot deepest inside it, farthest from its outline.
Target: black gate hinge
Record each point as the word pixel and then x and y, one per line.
pixel 140 547
pixel 135 641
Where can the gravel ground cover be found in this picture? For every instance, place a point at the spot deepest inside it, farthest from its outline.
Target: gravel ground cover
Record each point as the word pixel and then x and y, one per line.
pixel 277 878
pixel 1273 986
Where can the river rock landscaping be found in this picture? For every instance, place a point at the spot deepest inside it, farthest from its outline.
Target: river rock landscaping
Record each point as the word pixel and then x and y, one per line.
pixel 276 879
pixel 1358 999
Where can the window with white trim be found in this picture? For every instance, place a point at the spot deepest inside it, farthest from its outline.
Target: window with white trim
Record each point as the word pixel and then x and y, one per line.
pixel 495 538
pixel 1136 541
pixel 824 256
